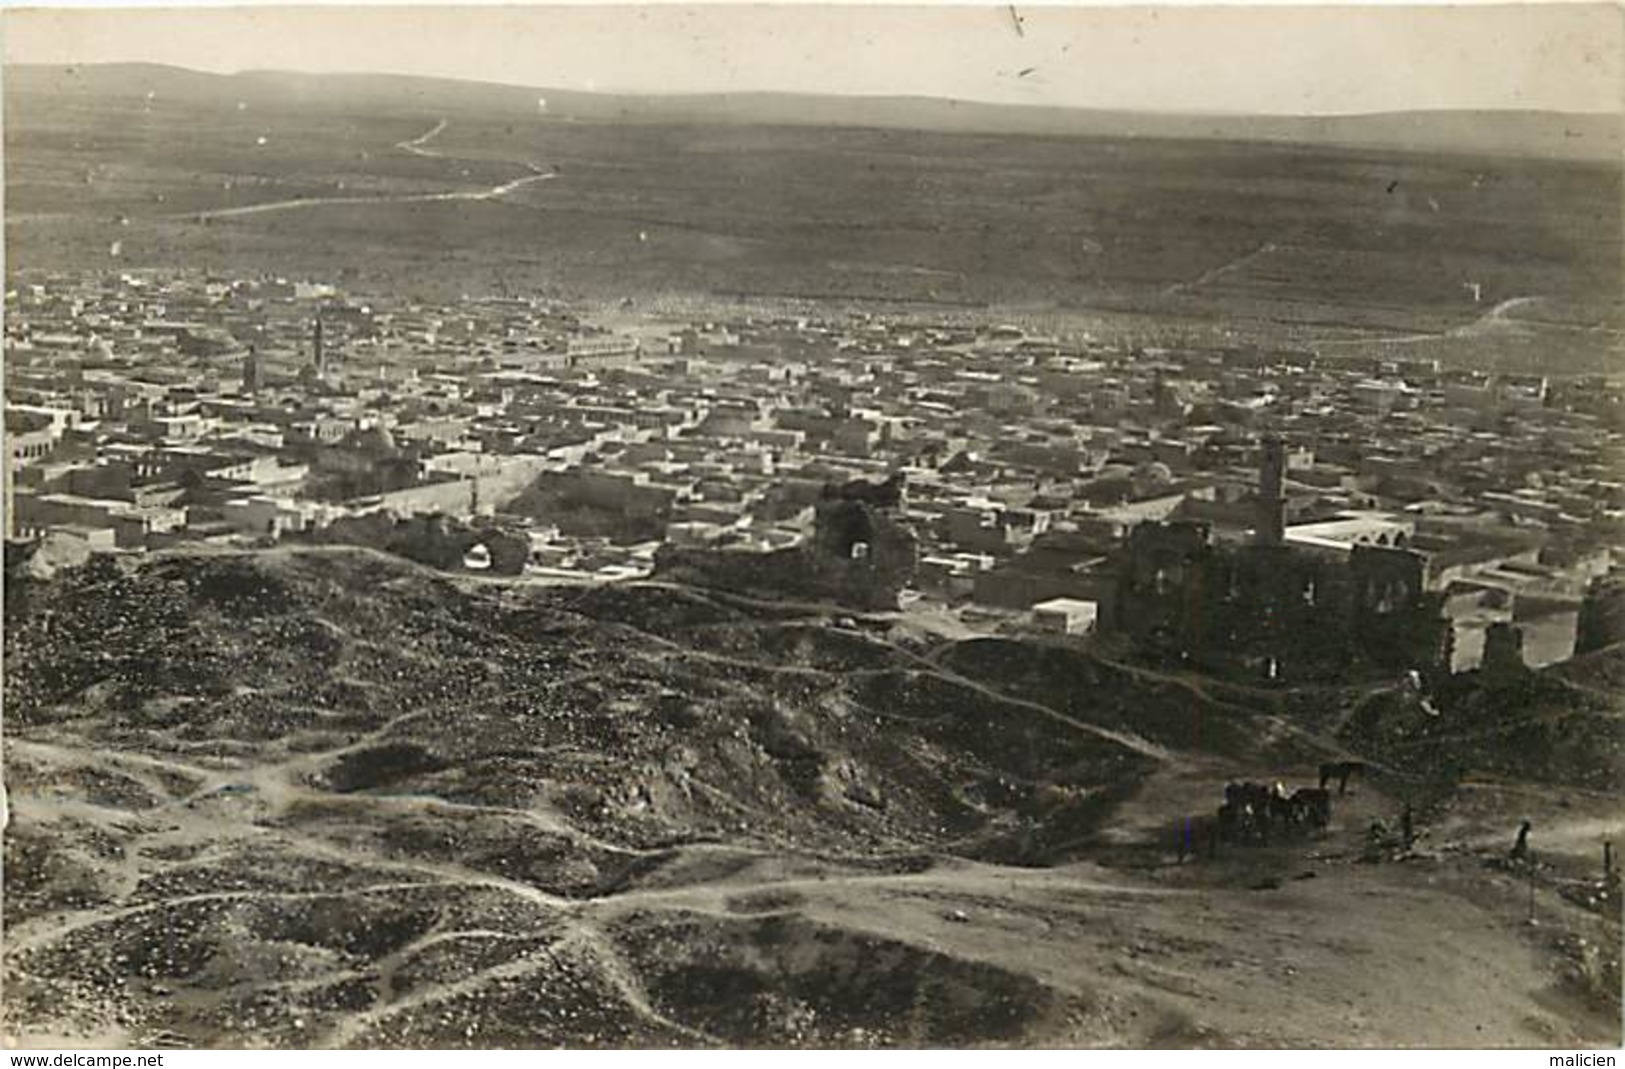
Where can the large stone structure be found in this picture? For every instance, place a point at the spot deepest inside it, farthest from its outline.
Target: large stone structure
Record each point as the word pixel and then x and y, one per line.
pixel 1268 610
pixel 1274 612
pixel 859 554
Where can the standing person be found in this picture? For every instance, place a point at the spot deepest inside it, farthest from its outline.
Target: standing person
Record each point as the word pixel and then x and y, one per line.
pixel 1407 825
pixel 1520 849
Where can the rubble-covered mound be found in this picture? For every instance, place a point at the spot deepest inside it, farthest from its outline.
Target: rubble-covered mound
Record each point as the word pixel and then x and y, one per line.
pixel 327 797
pixel 786 981
pixel 1562 726
pixel 253 788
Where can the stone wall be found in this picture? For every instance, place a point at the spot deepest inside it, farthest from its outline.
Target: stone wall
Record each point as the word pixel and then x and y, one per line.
pixel 859 555
pixel 438 541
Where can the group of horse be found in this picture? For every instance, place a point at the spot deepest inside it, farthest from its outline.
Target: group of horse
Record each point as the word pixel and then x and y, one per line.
pixel 1255 811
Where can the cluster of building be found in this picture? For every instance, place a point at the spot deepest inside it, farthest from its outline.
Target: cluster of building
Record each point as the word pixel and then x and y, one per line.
pixel 1221 503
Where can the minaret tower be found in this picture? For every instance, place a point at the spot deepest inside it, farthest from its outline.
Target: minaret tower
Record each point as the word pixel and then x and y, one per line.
pixel 1272 493
pixel 318 355
pixel 253 372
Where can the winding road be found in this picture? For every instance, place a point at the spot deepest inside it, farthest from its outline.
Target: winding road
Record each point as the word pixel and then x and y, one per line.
pixel 417 146
pixel 1491 321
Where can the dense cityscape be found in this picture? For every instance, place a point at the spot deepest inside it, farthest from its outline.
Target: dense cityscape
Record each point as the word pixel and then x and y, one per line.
pixel 1038 474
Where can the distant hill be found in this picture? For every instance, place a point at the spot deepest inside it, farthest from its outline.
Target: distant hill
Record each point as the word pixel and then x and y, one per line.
pixel 1352 235
pixel 1520 133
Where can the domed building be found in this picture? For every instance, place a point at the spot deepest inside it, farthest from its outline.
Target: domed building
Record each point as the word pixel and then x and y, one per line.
pixel 376 441
pixel 1150 477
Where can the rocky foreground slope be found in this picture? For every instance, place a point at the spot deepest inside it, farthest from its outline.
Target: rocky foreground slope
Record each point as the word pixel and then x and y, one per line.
pixel 328 798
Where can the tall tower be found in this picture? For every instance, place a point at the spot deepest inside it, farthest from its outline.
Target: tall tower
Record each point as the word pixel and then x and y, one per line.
pixel 1272 493
pixel 318 355
pixel 253 372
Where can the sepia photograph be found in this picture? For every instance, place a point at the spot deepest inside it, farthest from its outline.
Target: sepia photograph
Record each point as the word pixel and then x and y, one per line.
pixel 813 526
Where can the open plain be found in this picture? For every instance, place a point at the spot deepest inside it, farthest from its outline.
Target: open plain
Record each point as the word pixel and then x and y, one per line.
pixel 1353 239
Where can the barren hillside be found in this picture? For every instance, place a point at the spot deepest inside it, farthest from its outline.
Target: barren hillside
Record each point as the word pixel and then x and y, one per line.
pixel 325 797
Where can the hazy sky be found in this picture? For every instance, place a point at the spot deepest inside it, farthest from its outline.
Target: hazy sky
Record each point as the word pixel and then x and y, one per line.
pixel 1275 59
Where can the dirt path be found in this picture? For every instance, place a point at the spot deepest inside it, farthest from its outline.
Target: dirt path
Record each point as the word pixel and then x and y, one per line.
pixel 416 146
pixel 221 898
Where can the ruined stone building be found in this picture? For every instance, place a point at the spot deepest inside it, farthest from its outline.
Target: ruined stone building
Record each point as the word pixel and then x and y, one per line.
pixel 859 553
pixel 1271 610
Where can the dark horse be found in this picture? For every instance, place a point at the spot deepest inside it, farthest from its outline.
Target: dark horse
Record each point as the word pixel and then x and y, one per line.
pixel 1247 811
pixel 1313 805
pixel 1340 771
